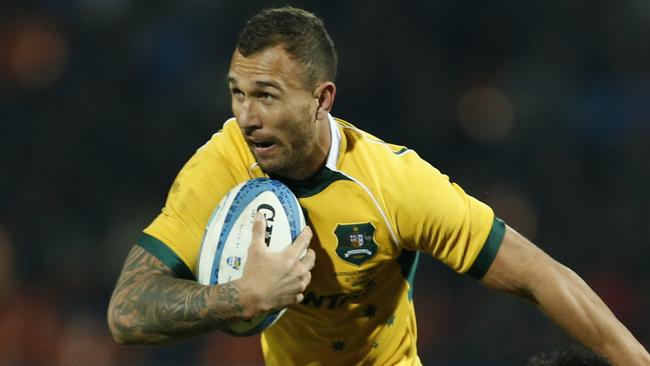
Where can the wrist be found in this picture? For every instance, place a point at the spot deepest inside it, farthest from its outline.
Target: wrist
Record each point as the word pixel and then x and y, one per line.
pixel 247 299
pixel 229 302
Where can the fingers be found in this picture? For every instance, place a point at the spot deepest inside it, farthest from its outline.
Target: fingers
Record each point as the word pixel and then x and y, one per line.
pixel 301 243
pixel 309 259
pixel 259 230
pixel 306 265
pixel 305 281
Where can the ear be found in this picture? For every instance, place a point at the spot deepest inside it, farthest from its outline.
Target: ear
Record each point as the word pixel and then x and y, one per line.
pixel 324 96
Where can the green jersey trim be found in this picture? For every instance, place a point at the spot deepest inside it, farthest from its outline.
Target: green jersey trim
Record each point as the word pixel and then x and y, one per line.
pixel 489 250
pixel 161 251
pixel 408 262
pixel 314 184
pixel 401 151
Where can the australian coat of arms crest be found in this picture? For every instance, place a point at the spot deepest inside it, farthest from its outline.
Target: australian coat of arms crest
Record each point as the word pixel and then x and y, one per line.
pixel 355 242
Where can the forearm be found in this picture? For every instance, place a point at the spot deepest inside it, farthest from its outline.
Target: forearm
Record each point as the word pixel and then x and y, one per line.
pixel 571 304
pixel 151 307
pixel 523 269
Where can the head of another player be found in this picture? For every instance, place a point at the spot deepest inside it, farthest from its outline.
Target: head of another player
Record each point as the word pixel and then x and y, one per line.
pixel 281 80
pixel 568 356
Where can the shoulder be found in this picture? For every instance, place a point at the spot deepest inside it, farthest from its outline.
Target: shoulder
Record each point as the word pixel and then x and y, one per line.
pixel 225 153
pixel 365 154
pixel 358 141
pixel 227 144
pixel 394 172
pixel 227 139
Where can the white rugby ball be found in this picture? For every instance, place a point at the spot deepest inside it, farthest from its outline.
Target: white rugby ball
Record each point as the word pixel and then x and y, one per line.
pixel 228 234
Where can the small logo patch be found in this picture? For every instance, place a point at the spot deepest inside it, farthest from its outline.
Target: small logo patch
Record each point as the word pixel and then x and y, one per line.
pixel 234 262
pixel 355 242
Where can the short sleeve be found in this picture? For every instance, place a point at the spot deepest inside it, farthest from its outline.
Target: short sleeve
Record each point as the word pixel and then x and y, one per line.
pixel 436 216
pixel 175 235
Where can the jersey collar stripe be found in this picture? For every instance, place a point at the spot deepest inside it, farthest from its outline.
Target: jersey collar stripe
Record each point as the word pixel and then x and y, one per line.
pixel 333 155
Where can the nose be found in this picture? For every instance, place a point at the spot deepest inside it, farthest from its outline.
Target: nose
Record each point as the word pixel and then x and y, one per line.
pixel 248 117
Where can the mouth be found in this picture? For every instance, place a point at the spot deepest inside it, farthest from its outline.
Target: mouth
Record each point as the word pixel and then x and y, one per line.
pixel 262 146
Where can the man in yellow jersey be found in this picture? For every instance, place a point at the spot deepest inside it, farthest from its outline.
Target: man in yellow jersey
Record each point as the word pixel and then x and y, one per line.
pixel 372 207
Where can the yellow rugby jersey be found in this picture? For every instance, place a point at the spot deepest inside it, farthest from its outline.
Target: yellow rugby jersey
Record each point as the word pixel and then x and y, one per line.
pixel 373 207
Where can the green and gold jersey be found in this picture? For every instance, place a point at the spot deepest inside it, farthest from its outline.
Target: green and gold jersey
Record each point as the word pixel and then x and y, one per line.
pixel 373 207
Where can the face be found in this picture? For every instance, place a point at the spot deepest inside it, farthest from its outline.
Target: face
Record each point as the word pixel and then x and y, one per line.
pixel 275 111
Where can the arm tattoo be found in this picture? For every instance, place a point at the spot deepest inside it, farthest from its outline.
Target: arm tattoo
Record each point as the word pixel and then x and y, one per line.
pixel 150 306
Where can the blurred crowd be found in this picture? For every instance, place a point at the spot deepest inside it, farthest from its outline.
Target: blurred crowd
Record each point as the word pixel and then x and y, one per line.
pixel 542 110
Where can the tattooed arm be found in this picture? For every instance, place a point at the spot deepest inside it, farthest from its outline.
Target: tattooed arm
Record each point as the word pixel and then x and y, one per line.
pixel 150 306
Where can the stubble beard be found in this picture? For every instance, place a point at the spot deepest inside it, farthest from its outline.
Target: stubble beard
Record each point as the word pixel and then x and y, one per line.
pixel 293 155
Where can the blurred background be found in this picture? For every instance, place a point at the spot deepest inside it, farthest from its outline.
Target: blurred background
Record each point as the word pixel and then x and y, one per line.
pixel 540 109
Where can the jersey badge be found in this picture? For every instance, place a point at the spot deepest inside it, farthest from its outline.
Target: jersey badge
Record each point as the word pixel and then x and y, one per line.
pixel 355 242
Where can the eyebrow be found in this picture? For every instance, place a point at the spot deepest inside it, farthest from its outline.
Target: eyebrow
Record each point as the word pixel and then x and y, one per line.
pixel 265 84
pixel 259 83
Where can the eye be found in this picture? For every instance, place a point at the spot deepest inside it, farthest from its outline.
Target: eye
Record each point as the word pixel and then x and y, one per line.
pixel 237 93
pixel 266 97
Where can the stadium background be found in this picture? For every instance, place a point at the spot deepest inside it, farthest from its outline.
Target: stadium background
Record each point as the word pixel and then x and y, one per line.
pixel 540 109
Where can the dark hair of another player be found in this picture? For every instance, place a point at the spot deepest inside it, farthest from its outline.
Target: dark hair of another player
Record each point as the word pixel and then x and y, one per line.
pixel 569 356
pixel 303 36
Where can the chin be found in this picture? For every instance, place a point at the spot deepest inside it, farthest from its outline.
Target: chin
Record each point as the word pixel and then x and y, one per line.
pixel 276 170
pixel 281 166
pixel 269 167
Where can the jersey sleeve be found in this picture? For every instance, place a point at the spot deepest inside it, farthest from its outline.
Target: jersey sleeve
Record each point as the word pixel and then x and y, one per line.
pixel 175 235
pixel 437 217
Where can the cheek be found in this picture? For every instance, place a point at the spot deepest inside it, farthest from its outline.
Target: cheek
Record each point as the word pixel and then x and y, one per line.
pixel 303 113
pixel 290 119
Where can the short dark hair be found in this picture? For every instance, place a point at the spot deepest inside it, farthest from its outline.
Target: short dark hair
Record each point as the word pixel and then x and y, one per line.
pixel 569 356
pixel 303 36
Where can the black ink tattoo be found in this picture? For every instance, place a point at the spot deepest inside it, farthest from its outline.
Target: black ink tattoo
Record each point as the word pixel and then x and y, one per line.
pixel 150 306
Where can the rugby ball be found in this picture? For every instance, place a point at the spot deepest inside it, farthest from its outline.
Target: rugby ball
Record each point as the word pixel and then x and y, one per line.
pixel 228 234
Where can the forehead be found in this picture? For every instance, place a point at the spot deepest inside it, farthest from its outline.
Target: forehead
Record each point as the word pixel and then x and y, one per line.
pixel 271 64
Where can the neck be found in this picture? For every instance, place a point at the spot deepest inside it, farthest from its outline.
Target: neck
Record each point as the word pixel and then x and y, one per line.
pixel 319 153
